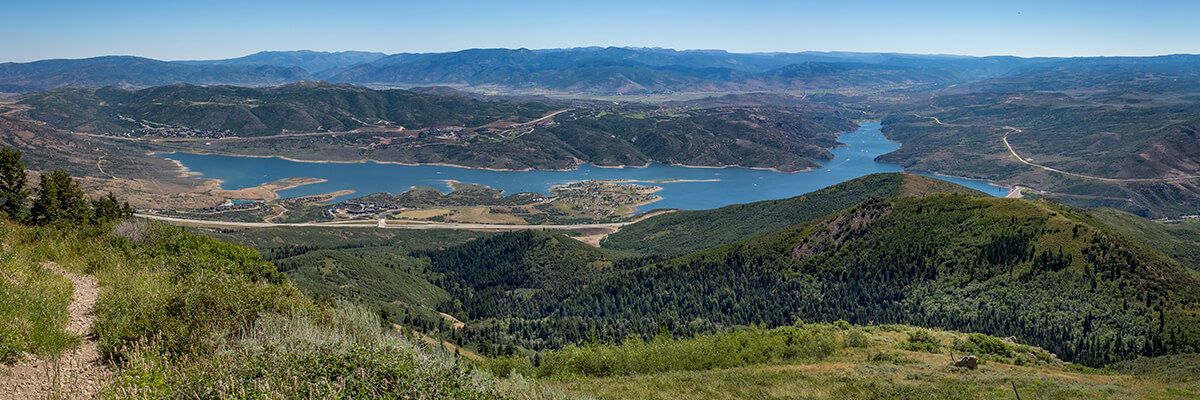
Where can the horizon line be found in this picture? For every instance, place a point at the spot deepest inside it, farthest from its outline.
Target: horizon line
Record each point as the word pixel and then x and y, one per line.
pixel 763 53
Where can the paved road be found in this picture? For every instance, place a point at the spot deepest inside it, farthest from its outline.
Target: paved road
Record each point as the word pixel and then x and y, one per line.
pixel 1012 130
pixel 386 224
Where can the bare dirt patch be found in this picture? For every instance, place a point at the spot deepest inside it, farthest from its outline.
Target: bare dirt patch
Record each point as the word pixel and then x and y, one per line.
pixel 266 191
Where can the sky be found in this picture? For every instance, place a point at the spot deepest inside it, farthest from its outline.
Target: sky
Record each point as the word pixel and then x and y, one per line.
pixel 215 29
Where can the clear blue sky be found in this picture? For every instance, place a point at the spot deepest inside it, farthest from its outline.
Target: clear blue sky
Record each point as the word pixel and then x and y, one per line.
pixel 173 30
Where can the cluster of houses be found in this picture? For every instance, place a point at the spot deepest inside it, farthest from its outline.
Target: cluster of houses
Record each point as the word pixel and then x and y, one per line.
pixel 231 205
pixel 354 208
pixel 602 199
pixel 177 132
pixel 446 133
pixel 462 133
pixel 1193 217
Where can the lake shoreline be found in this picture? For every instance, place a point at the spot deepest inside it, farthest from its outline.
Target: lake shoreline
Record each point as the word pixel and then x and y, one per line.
pixel 684 186
pixel 189 173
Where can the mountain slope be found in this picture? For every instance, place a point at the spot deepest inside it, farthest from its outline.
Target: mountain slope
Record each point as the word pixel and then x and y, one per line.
pixel 315 62
pixel 228 110
pixel 124 71
pixel 1137 149
pixel 626 71
pixel 486 274
pixel 1180 241
pixel 684 232
pixel 1040 271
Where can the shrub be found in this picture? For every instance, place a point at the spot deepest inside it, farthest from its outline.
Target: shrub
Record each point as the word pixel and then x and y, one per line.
pixel 135 230
pixel 184 289
pixel 990 345
pixel 716 351
pixel 507 366
pixel 922 340
pixel 346 355
pixel 857 338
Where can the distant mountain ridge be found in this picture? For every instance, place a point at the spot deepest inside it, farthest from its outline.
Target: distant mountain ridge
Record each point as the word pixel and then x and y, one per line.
pixel 625 70
pixel 317 63
pixel 137 72
pixel 612 70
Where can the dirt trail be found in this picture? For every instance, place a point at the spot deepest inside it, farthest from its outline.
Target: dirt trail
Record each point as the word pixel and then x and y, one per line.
pixel 79 372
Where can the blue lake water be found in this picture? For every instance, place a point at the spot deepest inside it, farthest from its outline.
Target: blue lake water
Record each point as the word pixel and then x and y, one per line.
pixel 716 187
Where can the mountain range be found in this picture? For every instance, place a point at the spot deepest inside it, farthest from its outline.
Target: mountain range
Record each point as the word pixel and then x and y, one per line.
pixel 589 69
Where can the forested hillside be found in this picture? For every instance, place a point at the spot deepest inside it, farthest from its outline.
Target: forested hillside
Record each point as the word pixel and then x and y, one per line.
pixel 215 111
pixel 684 232
pixel 1037 270
pixel 1042 272
pixel 1179 240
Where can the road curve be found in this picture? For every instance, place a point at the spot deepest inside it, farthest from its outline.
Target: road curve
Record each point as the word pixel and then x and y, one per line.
pixel 1012 130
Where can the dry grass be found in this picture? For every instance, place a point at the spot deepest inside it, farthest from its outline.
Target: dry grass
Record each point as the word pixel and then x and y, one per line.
pixel 422 214
pixel 483 215
pixel 851 374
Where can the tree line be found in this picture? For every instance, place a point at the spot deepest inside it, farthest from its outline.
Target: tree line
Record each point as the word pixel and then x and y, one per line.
pixel 58 200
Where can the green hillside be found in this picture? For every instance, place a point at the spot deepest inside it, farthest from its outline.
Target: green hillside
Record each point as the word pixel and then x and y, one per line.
pixel 841 361
pixel 185 316
pixel 1180 241
pixel 684 232
pixel 382 268
pixel 1040 271
pixel 489 274
pixel 181 315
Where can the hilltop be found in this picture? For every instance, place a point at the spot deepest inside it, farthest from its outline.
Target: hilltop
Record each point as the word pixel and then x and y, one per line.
pixel 180 315
pixel 685 231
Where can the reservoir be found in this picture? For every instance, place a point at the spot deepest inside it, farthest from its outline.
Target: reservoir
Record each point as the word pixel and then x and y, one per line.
pixel 695 188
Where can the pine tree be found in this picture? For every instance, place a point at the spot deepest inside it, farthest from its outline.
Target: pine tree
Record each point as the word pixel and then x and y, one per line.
pixel 14 184
pixel 59 201
pixel 107 208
